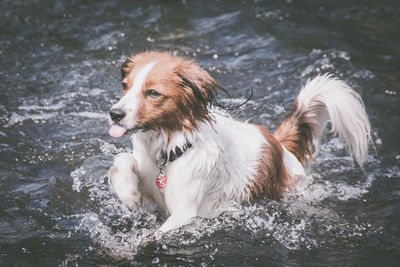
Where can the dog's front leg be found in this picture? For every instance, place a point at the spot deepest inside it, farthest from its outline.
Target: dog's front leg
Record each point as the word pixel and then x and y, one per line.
pixel 124 180
pixel 177 219
pixel 183 197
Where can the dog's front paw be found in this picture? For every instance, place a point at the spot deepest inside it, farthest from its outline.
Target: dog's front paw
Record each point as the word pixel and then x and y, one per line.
pixel 124 181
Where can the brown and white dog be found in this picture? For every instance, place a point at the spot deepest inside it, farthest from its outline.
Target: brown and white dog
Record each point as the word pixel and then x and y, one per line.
pixel 191 157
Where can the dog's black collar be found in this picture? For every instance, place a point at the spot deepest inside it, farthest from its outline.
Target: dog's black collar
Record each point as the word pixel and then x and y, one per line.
pixel 175 153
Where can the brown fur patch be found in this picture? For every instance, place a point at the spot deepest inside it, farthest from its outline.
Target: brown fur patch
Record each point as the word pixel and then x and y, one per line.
pixel 295 134
pixel 115 170
pixel 272 177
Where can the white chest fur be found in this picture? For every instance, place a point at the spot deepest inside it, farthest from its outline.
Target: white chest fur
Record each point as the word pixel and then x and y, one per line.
pixel 219 166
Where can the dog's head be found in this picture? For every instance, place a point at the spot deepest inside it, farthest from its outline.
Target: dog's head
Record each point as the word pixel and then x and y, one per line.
pixel 161 91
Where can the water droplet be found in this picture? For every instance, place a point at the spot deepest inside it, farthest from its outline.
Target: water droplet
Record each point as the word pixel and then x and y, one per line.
pixel 150 40
pixel 257 81
pixel 390 92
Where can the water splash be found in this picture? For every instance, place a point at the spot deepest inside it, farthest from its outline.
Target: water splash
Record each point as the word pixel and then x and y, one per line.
pixel 295 223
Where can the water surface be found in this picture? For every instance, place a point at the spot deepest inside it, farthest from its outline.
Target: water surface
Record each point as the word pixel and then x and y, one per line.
pixel 59 74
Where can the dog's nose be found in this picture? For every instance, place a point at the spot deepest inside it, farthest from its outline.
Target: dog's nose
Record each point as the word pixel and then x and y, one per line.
pixel 117 114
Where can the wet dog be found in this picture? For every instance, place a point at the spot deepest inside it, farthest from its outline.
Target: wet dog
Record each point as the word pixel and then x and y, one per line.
pixel 190 157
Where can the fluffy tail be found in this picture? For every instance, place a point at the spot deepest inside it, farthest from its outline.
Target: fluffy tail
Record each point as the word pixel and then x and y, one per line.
pixel 321 99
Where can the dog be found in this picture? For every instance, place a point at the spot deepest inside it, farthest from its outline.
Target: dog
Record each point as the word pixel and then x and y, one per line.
pixel 190 157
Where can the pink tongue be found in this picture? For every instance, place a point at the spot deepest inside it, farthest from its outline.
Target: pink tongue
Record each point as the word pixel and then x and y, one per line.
pixel 117 131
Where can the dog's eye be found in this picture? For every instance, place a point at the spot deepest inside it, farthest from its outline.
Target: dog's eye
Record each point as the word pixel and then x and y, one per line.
pixel 152 93
pixel 124 86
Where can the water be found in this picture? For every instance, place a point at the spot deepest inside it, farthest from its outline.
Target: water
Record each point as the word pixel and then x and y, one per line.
pixel 59 73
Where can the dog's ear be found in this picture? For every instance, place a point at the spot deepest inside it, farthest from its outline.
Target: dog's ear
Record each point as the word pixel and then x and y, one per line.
pixel 198 89
pixel 193 79
pixel 126 67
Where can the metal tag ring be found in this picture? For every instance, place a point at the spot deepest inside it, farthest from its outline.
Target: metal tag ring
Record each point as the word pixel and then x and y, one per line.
pixel 161 165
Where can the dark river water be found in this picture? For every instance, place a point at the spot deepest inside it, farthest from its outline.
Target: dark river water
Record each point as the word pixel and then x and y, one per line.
pixel 59 75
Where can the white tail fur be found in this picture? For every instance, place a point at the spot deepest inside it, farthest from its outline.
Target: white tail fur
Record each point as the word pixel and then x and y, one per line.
pixel 326 97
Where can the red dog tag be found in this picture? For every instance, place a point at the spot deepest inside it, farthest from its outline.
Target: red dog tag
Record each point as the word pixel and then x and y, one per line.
pixel 161 180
